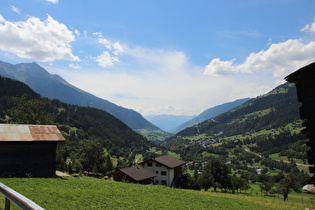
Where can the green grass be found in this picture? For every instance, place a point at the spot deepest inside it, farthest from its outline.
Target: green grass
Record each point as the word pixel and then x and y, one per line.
pixel 257 114
pixel 92 193
pixel 173 154
pixel 207 154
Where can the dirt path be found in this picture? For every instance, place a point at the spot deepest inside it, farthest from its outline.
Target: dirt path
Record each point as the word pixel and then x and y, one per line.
pixel 61 174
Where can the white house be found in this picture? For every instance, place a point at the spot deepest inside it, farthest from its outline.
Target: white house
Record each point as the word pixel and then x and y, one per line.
pixel 166 168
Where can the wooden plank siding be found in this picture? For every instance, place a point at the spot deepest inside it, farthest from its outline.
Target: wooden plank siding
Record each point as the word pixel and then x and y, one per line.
pixel 28 150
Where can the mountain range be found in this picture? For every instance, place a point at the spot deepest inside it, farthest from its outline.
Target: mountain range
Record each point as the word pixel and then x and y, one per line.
pixel 278 108
pixel 209 113
pixel 53 86
pixel 168 122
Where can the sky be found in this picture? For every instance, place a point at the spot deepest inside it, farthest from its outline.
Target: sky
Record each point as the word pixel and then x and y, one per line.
pixel 175 57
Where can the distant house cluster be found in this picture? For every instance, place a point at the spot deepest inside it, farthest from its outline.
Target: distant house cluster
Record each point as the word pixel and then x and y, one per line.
pixel 162 170
pixel 204 142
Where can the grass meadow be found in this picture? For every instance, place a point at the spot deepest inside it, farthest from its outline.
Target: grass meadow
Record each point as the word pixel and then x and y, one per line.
pixel 93 193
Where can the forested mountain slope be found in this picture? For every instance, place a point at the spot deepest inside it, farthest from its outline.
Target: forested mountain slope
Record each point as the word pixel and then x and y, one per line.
pixel 77 124
pixel 210 113
pixel 264 133
pixel 55 87
pixel 276 108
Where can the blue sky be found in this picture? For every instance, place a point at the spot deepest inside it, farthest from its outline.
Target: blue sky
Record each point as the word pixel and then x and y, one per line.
pixel 162 57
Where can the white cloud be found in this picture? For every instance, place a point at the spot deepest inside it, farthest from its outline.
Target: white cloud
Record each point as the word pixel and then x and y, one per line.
pixel 15 9
pixel 218 67
pixel 105 42
pixel 160 81
pixel 85 33
pixel 156 110
pixel 98 34
pixel 77 32
pixel 71 65
pixel 53 1
pixel 309 28
pixel 118 48
pixel 2 20
pixel 280 60
pixel 106 60
pixel 44 41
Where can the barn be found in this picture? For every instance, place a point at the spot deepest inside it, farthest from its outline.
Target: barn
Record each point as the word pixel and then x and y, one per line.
pixel 304 80
pixel 28 150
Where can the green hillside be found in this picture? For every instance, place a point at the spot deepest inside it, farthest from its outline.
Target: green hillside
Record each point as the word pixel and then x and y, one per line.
pixel 264 133
pixel 92 193
pixel 270 111
pixel 55 87
pixel 87 130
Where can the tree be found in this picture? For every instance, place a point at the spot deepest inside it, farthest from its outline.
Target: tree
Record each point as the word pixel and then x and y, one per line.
pixel 30 111
pixel 239 183
pixel 236 184
pixel 194 180
pixel 266 186
pixel 288 184
pixel 220 174
pixel 205 180
pixel 90 154
pixel 130 161
pixel 108 164
pixel 244 186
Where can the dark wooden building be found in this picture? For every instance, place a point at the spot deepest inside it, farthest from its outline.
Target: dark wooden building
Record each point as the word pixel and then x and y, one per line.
pixel 135 174
pixel 304 80
pixel 28 150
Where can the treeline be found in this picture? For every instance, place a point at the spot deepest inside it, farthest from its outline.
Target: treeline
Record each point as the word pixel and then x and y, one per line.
pixel 217 175
pixel 193 152
pixel 280 107
pixel 82 127
pixel 285 143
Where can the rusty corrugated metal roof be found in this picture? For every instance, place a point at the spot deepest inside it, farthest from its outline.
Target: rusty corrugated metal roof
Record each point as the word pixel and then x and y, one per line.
pixel 14 132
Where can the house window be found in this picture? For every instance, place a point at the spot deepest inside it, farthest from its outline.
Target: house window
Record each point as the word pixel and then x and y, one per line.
pixel 157 172
pixel 149 164
pixel 163 173
pixel 163 182
pixel 156 181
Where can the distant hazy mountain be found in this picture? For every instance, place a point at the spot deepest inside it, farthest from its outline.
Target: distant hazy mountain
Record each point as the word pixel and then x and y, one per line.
pixel 54 87
pixel 209 113
pixel 168 122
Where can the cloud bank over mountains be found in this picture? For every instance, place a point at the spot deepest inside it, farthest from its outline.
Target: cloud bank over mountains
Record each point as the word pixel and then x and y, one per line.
pixel 165 80
pixel 279 59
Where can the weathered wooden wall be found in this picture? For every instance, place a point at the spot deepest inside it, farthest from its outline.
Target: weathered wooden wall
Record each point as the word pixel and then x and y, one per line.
pixel 20 159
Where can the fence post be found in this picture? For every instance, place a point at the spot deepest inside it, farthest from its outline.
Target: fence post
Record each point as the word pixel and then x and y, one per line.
pixel 7 204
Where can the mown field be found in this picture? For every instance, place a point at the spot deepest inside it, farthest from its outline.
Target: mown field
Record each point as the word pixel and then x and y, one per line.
pixel 92 193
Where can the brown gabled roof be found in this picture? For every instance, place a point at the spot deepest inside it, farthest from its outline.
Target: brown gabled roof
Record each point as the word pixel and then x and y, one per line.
pixel 137 173
pixel 15 133
pixel 168 161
